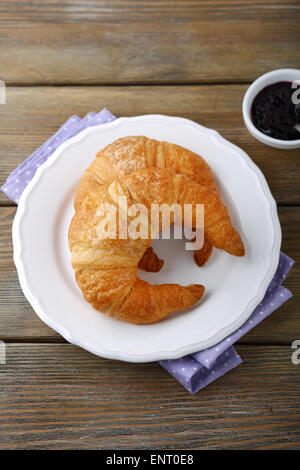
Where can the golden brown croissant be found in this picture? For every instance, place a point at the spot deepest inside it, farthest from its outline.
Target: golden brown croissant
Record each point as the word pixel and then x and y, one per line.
pixel 129 154
pixel 150 262
pixel 106 268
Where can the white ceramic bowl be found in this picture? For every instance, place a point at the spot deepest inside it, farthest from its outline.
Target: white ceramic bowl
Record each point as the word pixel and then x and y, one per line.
pixel 280 75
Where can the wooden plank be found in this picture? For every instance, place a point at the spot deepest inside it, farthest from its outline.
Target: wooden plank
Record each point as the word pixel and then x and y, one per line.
pixel 32 114
pixel 61 397
pixel 19 322
pixel 146 42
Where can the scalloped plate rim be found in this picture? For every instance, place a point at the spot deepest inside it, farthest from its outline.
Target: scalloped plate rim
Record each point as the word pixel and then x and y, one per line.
pixel 158 355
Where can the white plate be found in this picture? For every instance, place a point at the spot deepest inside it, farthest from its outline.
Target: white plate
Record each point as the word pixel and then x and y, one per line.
pixel 234 286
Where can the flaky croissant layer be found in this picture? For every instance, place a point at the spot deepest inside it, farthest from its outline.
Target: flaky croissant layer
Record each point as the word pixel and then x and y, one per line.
pixel 106 269
pixel 130 154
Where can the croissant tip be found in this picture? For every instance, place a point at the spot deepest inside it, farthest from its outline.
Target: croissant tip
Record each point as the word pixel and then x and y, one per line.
pixel 198 290
pixel 242 252
pixel 240 249
pixel 235 246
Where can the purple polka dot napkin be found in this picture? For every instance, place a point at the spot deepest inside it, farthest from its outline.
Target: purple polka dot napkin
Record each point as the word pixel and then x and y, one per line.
pixel 197 370
pixel 20 177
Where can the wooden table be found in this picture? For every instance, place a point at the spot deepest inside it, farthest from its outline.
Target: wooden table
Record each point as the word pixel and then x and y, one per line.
pixel 184 58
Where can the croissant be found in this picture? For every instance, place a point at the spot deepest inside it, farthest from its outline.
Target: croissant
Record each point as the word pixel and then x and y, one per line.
pixel 150 262
pixel 106 268
pixel 129 154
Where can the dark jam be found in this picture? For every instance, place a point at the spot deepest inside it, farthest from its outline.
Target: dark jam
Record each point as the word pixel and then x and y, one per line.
pixel 274 113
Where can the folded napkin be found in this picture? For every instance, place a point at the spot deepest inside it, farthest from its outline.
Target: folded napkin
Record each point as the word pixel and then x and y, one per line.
pixel 197 370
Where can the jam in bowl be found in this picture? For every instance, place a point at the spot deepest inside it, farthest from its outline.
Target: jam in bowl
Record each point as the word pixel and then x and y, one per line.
pixel 271 108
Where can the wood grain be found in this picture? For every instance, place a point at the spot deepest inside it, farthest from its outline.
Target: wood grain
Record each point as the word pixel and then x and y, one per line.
pixel 104 42
pixel 32 114
pixel 60 397
pixel 57 396
pixel 19 322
